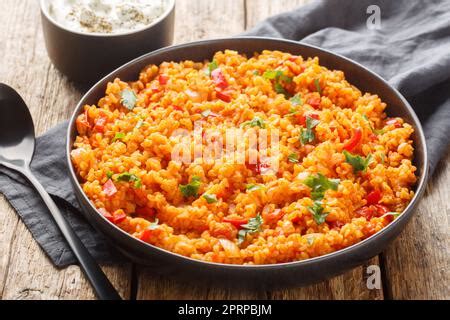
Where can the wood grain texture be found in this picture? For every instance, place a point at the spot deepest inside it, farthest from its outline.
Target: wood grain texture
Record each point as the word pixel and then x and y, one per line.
pixel 416 266
pixel 258 10
pixel 25 271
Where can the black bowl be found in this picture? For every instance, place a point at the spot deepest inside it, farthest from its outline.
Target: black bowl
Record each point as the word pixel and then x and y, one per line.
pixel 87 57
pixel 261 276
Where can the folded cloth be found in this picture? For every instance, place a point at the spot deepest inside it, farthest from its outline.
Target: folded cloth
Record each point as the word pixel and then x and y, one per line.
pixel 410 49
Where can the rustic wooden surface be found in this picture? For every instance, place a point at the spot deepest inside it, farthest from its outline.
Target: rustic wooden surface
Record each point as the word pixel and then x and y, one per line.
pixel 415 266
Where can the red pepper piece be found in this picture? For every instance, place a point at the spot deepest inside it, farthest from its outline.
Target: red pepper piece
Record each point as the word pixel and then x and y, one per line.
pixel 236 221
pixel 109 188
pixel 354 140
pixel 219 79
pixel 373 197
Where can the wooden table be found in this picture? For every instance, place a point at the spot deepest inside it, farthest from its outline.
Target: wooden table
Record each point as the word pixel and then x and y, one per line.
pixel 415 266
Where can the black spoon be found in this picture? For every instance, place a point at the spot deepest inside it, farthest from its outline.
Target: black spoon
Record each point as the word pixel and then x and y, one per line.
pixel 17 142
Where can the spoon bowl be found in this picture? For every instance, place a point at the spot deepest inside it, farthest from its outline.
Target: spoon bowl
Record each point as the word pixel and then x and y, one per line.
pixel 17 142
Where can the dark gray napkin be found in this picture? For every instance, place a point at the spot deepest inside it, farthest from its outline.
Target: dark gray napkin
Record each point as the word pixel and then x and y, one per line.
pixel 411 50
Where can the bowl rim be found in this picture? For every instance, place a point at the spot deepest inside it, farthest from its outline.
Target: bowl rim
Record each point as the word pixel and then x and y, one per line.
pixel 403 217
pixel 44 10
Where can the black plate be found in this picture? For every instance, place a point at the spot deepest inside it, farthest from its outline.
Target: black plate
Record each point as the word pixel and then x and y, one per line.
pixel 261 276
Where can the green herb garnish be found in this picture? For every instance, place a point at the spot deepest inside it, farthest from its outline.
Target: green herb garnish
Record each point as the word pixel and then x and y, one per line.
pixel 317 85
pixel 293 157
pixel 307 134
pixel 255 122
pixel 319 184
pixel 128 99
pixel 211 66
pixel 394 214
pixel 253 187
pixel 191 189
pixel 118 136
pixel 252 226
pixel 279 77
pixel 129 177
pixel 358 163
pixel 317 212
pixel 296 100
pixel 109 174
pixel 210 198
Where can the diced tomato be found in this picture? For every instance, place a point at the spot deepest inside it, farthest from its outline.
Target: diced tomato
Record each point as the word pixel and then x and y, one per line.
pixel 109 188
pixel 223 96
pixel 314 102
pixel 381 209
pixel 373 137
pixel 258 167
pixel 163 78
pixel 367 212
pixel 219 78
pixel 354 140
pixel 373 197
pixel 301 119
pixel 394 122
pixel 145 211
pixel 177 108
pixel 99 125
pixel 106 214
pixel 146 235
pixel 372 211
pixel 235 221
pixel 119 216
pixel 273 216
pixel 293 58
pixel 336 224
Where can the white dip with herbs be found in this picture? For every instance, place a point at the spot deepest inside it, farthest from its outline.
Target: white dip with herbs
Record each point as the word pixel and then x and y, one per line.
pixel 106 16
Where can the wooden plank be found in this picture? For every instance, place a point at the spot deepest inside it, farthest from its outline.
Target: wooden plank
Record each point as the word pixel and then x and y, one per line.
pixel 28 273
pixel 417 264
pixel 206 19
pixel 258 10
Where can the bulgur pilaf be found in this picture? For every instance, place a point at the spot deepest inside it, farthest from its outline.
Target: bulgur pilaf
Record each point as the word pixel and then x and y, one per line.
pixel 345 168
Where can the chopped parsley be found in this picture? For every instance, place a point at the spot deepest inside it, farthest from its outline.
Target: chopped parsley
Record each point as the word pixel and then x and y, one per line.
pixel 128 99
pixel 358 163
pixel 307 134
pixel 317 85
pixel 118 136
pixel 211 66
pixel 191 189
pixel 210 198
pixel 394 214
pixel 279 77
pixel 109 174
pixel 255 122
pixel 253 187
pixel 319 184
pixel 252 226
pixel 296 100
pixel 129 177
pixel 317 212
pixel 293 157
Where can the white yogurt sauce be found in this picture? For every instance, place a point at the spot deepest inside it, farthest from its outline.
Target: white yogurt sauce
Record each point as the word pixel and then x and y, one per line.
pixel 106 16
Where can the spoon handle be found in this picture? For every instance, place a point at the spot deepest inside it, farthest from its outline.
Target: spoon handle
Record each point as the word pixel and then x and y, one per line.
pixel 102 286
